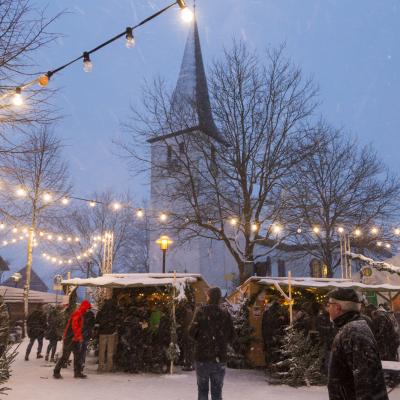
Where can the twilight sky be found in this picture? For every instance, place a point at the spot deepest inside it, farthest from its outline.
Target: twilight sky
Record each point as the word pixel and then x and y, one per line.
pixel 349 47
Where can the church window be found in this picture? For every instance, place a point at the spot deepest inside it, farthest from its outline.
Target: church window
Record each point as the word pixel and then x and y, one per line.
pixel 281 268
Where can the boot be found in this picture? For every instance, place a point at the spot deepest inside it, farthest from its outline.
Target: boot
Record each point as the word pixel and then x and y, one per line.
pixel 80 375
pixel 46 358
pixel 39 355
pixel 57 375
pixel 27 357
pixel 52 360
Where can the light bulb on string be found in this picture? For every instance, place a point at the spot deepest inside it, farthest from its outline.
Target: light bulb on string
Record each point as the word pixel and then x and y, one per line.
pixel 299 230
pixel 2 225
pixel 397 231
pixel 116 206
pixel 379 244
pixel 130 39
pixel 18 100
pixel 139 213
pixel 316 230
pixel 233 221
pixel 388 245
pixel 254 227
pixel 64 201
pixel 92 204
pixel 21 192
pixel 163 217
pixel 186 14
pixel 87 63
pixel 357 232
pixel 276 228
pixel 374 230
pixel 47 197
pixel 340 229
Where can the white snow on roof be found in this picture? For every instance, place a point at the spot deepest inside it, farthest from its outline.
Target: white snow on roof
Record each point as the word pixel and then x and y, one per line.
pixel 328 283
pixel 134 280
pixel 15 295
pixel 380 265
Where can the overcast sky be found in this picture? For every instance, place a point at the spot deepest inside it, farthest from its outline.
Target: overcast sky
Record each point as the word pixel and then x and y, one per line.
pixel 350 48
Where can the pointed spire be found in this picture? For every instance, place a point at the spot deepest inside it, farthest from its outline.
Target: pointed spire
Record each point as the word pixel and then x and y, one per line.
pixel 192 83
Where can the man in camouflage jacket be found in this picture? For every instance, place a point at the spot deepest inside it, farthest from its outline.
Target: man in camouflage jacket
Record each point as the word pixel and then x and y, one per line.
pixel 355 368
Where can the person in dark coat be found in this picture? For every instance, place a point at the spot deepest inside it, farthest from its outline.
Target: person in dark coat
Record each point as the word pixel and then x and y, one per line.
pixel 36 324
pixel 211 329
pixel 73 337
pixel 355 368
pixel 89 320
pixel 385 329
pixel 54 332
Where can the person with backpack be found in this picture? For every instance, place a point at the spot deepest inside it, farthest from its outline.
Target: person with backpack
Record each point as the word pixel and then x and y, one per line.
pixel 54 332
pixel 211 330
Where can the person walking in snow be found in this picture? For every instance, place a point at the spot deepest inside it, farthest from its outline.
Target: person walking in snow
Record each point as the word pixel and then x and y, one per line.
pixel 212 330
pixel 73 337
pixel 54 332
pixel 355 368
pixel 36 326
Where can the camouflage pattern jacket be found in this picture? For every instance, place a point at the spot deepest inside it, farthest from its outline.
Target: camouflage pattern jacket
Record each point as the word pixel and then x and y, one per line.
pixel 355 369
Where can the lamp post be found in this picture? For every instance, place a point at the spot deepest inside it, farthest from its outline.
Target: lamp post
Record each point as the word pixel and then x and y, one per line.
pixel 164 242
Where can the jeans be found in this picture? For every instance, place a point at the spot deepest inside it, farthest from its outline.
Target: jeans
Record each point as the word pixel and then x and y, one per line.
pixel 31 341
pixel 52 346
pixel 210 371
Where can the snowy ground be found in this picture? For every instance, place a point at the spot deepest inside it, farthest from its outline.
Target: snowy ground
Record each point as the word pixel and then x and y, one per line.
pixel 33 381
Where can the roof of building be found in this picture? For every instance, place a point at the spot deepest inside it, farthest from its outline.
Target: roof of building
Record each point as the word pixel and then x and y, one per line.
pixel 16 295
pixel 3 265
pixel 192 87
pixel 36 282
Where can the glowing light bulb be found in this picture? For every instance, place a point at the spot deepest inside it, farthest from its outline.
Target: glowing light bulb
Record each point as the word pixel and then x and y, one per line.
pixel 187 14
pixel 379 244
pixel 15 230
pixel 163 217
pixel 24 230
pixel 276 228
pixel 299 230
pixel 357 232
pixel 340 229
pixel 92 204
pixel 316 229
pixel 13 240
pixel 5 243
pixel 76 239
pixel 60 238
pixel 54 259
pixel 254 227
pixel 41 233
pixel 50 237
pixel 65 201
pixel 21 192
pixel 18 100
pixel 69 239
pixel 139 213
pixel 2 225
pixel 374 230
pixel 87 63
pixel 69 261
pixel 233 221
pixel 397 231
pixel 388 245
pixel 116 206
pixel 130 39
pixel 47 197
pixel 78 257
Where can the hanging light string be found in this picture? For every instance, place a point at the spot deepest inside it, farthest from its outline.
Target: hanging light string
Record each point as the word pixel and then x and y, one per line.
pixel 43 80
pixel 56 259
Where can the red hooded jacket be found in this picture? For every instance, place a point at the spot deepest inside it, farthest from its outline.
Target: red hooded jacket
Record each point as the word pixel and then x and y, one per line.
pixel 76 322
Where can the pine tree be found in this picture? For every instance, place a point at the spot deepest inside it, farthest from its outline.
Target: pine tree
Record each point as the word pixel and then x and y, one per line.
pixel 7 354
pixel 300 360
pixel 237 353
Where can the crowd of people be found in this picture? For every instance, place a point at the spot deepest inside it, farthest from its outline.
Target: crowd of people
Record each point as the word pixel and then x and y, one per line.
pixel 356 337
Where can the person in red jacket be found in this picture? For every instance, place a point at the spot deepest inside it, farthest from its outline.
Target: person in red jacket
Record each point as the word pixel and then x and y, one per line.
pixel 73 337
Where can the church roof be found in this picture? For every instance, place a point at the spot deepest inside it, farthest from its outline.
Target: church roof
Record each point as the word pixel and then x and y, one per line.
pixel 36 281
pixel 192 87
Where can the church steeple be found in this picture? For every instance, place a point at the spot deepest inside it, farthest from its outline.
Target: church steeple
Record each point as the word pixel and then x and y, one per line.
pixel 192 86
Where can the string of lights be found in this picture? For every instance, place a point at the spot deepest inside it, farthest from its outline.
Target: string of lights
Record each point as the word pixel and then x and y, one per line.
pixel 128 33
pixel 70 260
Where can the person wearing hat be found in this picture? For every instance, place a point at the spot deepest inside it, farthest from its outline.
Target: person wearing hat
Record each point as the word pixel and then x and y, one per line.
pixel 211 330
pixel 355 368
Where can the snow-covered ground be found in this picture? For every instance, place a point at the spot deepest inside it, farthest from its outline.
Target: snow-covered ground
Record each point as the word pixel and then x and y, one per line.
pixel 33 381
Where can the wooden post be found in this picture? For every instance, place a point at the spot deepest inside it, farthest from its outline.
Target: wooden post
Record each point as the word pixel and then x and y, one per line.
pixel 173 319
pixel 290 298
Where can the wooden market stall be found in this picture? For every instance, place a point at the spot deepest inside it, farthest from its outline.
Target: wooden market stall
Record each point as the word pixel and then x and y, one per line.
pixel 261 289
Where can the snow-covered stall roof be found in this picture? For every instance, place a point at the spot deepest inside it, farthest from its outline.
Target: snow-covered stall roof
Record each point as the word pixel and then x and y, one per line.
pixel 16 295
pixel 379 265
pixel 328 283
pixel 134 280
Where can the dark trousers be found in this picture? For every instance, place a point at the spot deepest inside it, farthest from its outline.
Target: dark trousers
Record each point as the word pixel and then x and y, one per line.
pixel 52 347
pixel 210 372
pixel 74 347
pixel 31 341
pixel 84 347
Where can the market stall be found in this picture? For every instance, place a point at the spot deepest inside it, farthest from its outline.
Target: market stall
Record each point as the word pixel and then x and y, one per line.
pixel 259 291
pixel 151 315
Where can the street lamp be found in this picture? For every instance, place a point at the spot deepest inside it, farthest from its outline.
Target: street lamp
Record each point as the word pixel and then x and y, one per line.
pixel 164 242
pixel 16 277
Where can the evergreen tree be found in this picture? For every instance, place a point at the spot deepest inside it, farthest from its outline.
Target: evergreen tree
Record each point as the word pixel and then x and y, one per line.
pixel 7 354
pixel 300 360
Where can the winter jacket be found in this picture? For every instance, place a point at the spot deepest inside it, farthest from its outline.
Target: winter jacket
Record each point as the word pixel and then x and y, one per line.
pixel 88 325
pixel 385 328
pixel 73 331
pixel 54 325
pixel 107 318
pixel 355 369
pixel 212 330
pixel 36 324
pixel 273 323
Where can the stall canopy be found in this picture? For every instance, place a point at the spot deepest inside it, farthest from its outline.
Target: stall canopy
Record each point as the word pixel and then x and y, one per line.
pixel 327 283
pixel 134 280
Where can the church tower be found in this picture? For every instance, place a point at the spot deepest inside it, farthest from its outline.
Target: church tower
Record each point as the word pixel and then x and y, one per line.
pixel 199 255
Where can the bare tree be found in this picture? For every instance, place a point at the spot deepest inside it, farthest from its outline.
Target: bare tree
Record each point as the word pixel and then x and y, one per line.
pixel 340 189
pixel 130 244
pixel 38 175
pixel 225 183
pixel 24 29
